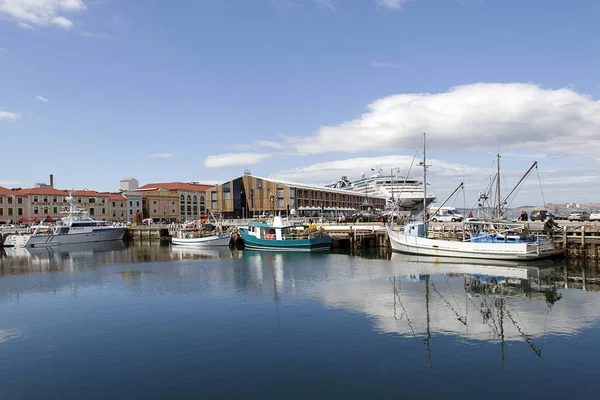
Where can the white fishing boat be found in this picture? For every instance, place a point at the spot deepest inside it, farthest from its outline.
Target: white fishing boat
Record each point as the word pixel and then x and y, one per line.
pixel 196 237
pixel 480 239
pixel 202 241
pixel 77 227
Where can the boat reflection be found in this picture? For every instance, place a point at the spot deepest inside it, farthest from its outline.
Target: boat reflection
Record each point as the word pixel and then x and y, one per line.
pixel 199 253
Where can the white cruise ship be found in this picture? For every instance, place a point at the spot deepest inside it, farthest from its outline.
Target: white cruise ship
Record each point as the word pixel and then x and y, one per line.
pixel 77 227
pixel 403 194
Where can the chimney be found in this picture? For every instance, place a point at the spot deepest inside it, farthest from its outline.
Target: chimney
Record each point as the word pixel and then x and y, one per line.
pixel 52 181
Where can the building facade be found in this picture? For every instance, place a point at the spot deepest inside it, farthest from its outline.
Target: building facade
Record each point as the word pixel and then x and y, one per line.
pixel 251 196
pixel 174 201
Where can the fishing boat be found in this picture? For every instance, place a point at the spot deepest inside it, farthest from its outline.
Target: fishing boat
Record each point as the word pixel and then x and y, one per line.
pixel 279 236
pixel 197 236
pixel 483 240
pixel 202 241
pixel 77 227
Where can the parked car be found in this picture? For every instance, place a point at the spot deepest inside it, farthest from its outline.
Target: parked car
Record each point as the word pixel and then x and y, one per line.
pixel 595 216
pixel 540 215
pixel 579 216
pixel 445 214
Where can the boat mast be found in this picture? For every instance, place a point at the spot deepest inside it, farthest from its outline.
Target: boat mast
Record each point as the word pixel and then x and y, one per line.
pixel 498 188
pixel 424 187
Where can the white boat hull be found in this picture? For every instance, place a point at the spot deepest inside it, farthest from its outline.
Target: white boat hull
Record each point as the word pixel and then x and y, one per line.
pixel 101 235
pixel 453 248
pixel 16 240
pixel 208 241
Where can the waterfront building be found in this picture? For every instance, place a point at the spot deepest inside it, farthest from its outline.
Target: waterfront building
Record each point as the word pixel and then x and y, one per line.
pixel 250 196
pixel 7 204
pixel 174 201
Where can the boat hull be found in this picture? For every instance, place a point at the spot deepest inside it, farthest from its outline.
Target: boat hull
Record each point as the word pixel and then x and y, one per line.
pixel 322 243
pixel 97 235
pixel 208 241
pixel 453 248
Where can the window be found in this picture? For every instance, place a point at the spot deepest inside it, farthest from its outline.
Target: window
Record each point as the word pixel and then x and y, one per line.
pixel 54 199
pixel 114 214
pixel 114 204
pixel 54 210
pixel 103 200
pixel 137 203
pixel 154 202
pixel 10 200
pixel 202 205
pixel 292 193
pixel 1 211
pixel 155 211
pixel 92 211
pixel 226 195
pixel 130 212
pixel 104 211
pixel 79 199
pixel 64 200
pixel 213 196
pixel 35 198
pixel 213 205
pixel 122 214
pixel 227 191
pixel 10 211
pixel 131 203
pixel 91 200
pixel 252 198
pixel 259 183
pixel 45 199
pixel 35 210
pixel 195 199
pixel 19 211
pixel 45 210
pixel 122 203
pixel 1 200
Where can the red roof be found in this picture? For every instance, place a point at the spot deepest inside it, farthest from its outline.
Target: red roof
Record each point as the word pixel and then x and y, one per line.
pixel 193 187
pixel 42 191
pixel 116 197
pixel 5 192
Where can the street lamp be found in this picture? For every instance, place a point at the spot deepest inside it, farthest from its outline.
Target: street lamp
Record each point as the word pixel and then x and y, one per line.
pixel 272 201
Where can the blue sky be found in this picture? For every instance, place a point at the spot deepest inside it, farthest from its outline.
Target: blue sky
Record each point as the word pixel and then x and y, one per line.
pixel 303 90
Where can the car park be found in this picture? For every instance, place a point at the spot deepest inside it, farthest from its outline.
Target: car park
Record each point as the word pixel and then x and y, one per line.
pixel 579 216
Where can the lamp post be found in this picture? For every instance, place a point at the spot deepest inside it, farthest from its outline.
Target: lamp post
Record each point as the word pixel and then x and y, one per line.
pixel 272 201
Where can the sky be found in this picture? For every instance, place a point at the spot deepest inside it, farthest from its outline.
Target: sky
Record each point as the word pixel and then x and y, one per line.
pixel 95 91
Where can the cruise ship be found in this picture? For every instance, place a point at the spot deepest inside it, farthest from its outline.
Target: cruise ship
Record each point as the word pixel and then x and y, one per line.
pixel 403 194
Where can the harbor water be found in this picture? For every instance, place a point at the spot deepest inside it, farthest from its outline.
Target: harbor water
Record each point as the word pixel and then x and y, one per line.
pixel 106 321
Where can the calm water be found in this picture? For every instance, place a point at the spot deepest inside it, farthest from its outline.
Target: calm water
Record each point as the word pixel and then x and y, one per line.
pixel 154 323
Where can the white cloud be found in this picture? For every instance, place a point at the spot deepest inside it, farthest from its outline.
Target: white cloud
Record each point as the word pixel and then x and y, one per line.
pixel 62 22
pixel 26 26
pixel 391 4
pixel 273 145
pixel 234 160
pixel 9 116
pixel 382 64
pixel 3 50
pixel 479 116
pixel 161 155
pixel 40 13
pixel 41 98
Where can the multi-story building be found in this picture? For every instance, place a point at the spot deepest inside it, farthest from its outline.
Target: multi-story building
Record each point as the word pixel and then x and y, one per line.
pixel 174 201
pixel 117 205
pixel 7 204
pixel 250 196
